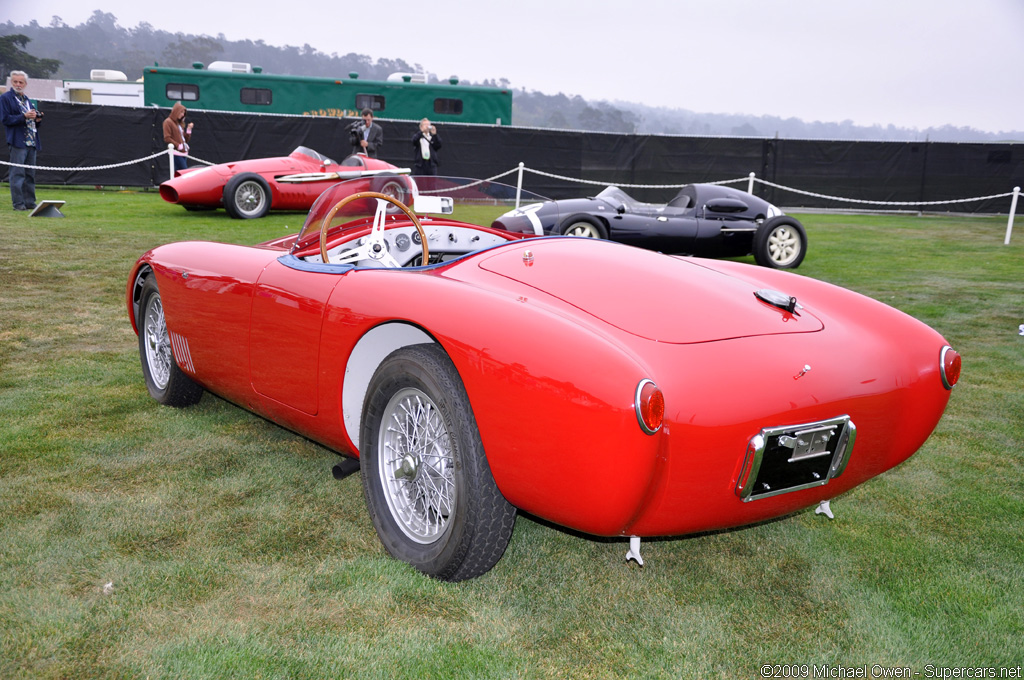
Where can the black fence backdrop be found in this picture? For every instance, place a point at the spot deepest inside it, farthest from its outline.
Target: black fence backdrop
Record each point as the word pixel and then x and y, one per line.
pixel 79 136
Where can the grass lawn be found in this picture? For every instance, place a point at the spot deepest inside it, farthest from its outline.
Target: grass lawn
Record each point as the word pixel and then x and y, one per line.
pixel 142 541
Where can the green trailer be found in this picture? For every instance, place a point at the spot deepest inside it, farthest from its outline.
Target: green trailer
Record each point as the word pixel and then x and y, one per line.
pixel 251 91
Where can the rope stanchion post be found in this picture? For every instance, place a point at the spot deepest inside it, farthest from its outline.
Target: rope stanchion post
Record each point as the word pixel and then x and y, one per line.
pixel 519 185
pixel 1013 211
pixel 750 184
pixel 170 159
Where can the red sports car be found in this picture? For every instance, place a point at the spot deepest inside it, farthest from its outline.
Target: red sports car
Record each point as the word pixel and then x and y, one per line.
pixel 469 372
pixel 249 189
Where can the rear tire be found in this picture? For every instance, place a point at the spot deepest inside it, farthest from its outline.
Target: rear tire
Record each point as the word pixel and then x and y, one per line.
pixel 426 479
pixel 780 243
pixel 395 187
pixel 586 227
pixel 166 383
pixel 247 197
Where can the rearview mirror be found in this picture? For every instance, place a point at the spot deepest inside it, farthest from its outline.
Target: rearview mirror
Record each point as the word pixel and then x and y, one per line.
pixel 441 205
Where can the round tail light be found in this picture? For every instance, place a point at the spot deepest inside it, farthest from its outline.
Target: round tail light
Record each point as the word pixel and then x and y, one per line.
pixel 650 406
pixel 949 365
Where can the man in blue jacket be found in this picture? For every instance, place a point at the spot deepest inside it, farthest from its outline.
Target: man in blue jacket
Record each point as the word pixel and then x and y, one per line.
pixel 22 122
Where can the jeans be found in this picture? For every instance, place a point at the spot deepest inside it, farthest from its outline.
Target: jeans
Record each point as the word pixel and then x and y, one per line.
pixel 23 180
pixel 180 163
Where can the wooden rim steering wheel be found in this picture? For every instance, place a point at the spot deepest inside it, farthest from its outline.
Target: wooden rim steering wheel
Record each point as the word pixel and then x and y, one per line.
pixel 375 248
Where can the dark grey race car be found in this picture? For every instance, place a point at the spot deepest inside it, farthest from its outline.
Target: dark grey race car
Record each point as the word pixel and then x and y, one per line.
pixel 706 220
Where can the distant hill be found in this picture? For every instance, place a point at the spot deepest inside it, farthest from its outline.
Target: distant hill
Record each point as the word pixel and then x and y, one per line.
pixel 101 43
pixel 560 111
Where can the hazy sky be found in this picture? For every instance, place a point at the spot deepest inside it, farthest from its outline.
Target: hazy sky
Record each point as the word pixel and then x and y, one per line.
pixel 910 63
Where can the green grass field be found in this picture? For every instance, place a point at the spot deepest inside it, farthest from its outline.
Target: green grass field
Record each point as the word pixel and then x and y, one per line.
pixel 142 541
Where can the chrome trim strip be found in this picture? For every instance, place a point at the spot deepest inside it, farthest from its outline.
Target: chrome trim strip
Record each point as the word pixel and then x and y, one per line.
pixel 751 466
pixel 942 366
pixel 340 175
pixel 843 450
pixel 636 405
pixel 786 490
pixel 182 355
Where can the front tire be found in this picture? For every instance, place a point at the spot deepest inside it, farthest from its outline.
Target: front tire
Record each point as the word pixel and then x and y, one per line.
pixel 166 382
pixel 426 479
pixel 247 197
pixel 780 243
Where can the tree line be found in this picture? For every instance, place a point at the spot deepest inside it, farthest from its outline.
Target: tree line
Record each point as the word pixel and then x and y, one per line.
pixel 62 51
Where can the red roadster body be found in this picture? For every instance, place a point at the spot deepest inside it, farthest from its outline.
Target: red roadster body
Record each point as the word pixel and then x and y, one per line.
pixel 609 389
pixel 249 189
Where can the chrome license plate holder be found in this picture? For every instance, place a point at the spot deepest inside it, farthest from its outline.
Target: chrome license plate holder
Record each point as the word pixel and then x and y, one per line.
pixel 792 457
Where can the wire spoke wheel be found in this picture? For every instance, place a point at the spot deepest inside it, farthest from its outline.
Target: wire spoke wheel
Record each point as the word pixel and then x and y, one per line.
pixel 165 380
pixel 395 191
pixel 428 486
pixel 417 467
pixel 157 343
pixel 249 197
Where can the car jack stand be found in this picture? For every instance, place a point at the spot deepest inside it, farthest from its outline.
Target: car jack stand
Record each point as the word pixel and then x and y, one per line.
pixel 824 508
pixel 634 550
pixel 346 467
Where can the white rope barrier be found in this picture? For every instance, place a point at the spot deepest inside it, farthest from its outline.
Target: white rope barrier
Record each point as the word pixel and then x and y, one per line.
pixel 83 168
pixel 750 179
pixel 867 202
pixel 619 184
pixel 199 160
pixel 471 184
pixel 90 167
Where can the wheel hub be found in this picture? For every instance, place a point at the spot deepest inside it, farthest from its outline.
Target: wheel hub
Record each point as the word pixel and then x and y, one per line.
pixel 250 198
pixel 407 469
pixel 783 245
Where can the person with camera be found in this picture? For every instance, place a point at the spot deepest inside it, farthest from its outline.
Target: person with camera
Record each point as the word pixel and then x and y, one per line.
pixel 426 143
pixel 367 136
pixel 22 121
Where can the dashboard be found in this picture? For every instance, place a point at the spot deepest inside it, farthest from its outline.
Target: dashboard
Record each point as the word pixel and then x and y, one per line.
pixel 444 243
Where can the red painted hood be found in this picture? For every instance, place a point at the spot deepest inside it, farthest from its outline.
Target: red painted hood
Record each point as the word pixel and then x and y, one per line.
pixel 674 300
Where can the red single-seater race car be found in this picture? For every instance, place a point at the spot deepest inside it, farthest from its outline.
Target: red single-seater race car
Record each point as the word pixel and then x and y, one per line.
pixel 471 372
pixel 249 189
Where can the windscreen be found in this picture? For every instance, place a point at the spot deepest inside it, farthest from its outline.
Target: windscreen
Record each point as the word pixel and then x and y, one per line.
pixel 345 205
pixel 315 155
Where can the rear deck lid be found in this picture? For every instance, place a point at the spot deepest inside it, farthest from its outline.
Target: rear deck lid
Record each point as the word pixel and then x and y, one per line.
pixel 660 298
